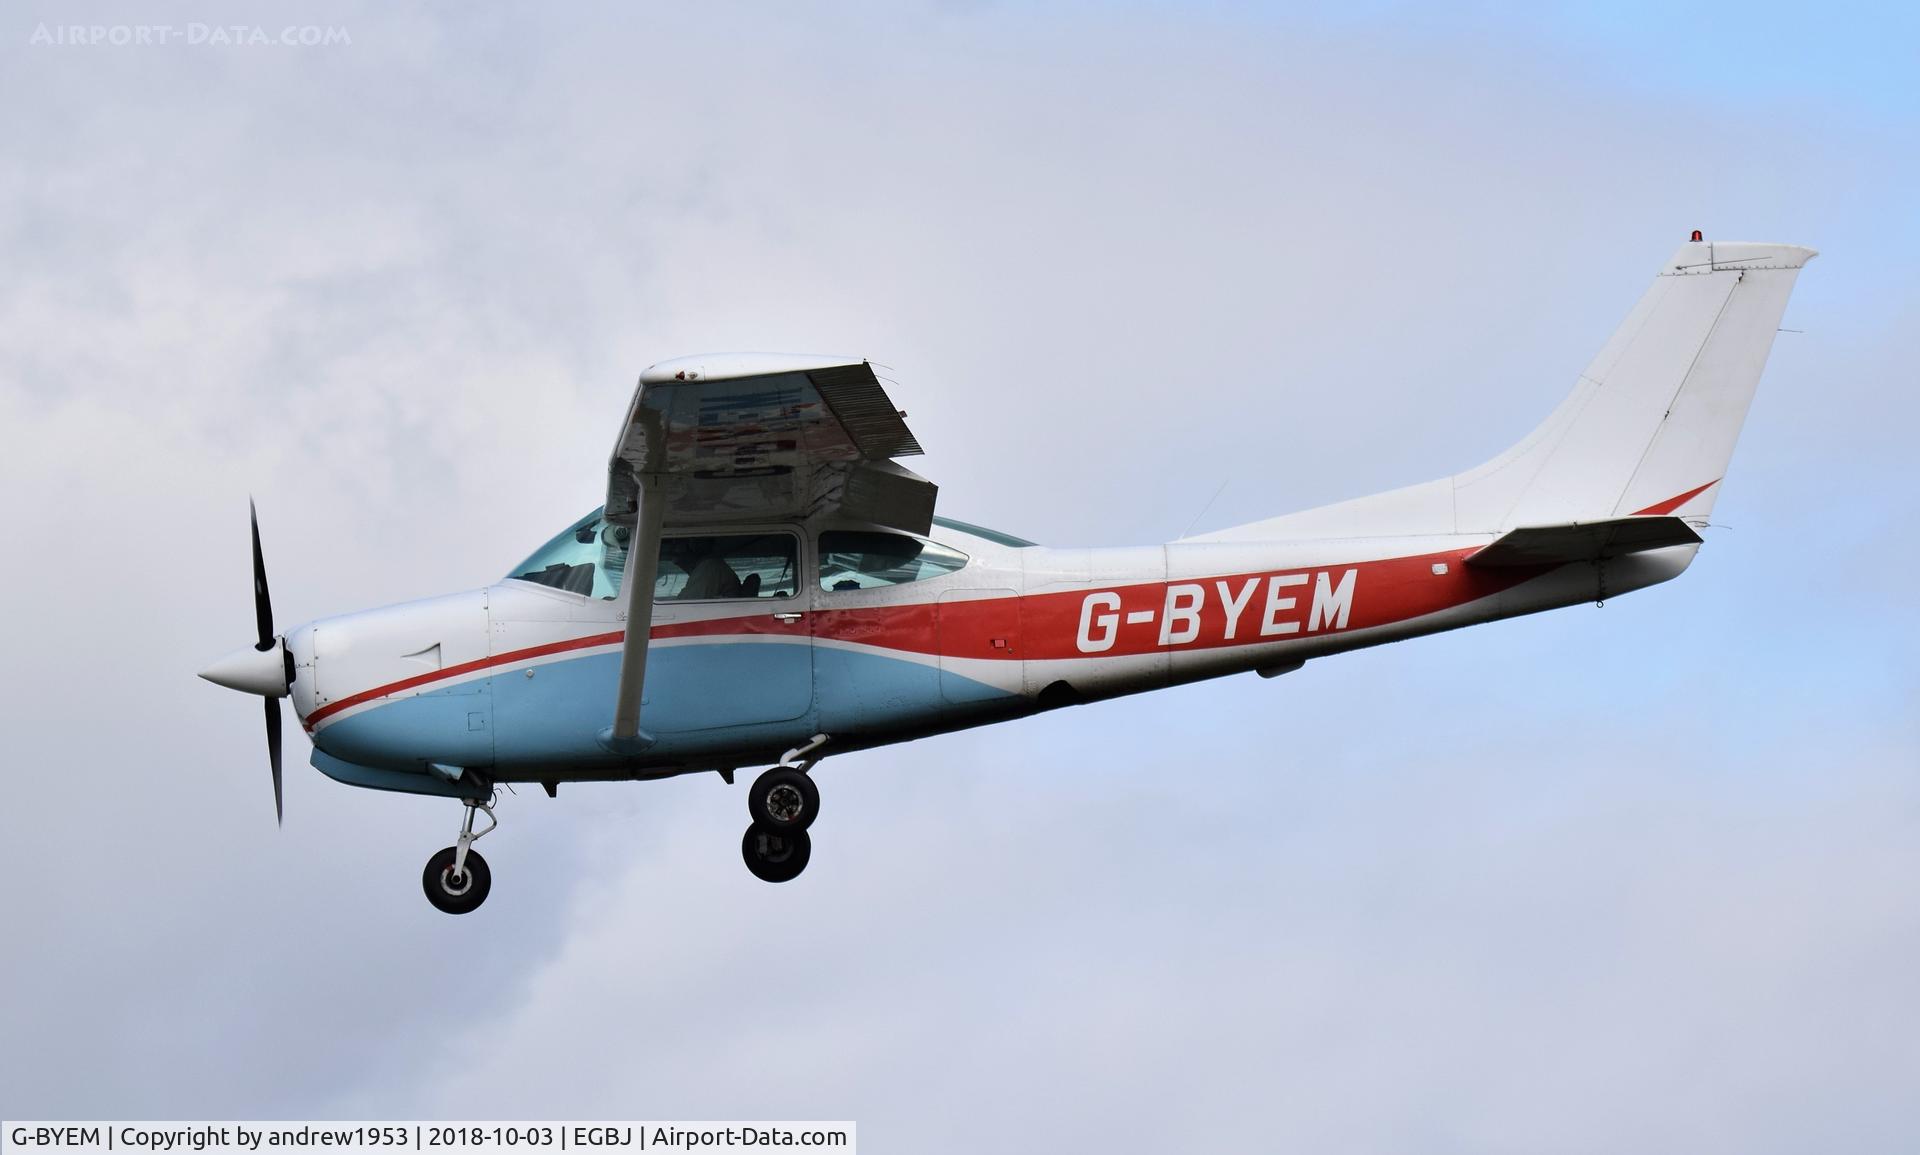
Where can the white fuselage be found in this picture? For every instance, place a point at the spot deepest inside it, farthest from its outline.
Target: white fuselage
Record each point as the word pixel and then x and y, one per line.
pixel 515 682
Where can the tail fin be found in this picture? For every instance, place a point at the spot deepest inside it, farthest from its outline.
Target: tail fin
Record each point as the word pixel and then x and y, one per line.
pixel 1651 424
pixel 1648 429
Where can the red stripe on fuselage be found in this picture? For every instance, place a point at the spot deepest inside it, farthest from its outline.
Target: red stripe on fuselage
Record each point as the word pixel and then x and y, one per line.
pixel 455 671
pixel 1049 626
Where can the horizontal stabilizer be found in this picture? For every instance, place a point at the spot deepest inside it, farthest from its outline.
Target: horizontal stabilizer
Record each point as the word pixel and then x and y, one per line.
pixel 1584 541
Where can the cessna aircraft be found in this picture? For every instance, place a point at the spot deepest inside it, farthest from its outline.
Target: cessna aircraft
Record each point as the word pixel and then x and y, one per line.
pixel 802 599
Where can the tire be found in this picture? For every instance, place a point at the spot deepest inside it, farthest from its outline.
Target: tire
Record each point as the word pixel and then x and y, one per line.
pixel 783 799
pixel 776 855
pixel 447 895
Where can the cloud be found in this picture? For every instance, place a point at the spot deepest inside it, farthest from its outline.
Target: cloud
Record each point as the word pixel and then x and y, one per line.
pixel 1299 950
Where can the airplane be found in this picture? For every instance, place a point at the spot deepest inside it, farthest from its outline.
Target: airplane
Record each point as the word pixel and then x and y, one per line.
pixel 806 601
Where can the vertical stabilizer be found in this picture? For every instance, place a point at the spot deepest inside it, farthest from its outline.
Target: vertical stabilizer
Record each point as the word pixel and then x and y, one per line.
pixel 1651 424
pixel 1648 429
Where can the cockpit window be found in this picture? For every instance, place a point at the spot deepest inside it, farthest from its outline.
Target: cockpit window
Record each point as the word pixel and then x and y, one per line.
pixel 750 565
pixel 588 558
pixel 861 561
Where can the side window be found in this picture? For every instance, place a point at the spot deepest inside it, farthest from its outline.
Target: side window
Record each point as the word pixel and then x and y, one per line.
pixel 861 561
pixel 751 565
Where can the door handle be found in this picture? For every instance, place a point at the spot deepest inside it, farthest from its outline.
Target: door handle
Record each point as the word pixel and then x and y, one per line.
pixel 788 616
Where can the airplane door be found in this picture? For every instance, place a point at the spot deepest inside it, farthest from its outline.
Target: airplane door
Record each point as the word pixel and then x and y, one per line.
pixel 732 647
pixel 980 645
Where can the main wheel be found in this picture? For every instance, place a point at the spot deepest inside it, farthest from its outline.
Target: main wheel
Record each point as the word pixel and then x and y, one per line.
pixel 456 894
pixel 776 855
pixel 783 799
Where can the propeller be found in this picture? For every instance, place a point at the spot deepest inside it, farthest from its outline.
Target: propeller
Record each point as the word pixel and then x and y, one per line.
pixel 263 621
pixel 264 668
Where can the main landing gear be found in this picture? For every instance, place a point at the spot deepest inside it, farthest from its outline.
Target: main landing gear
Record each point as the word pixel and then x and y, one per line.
pixel 774 856
pixel 457 879
pixel 782 803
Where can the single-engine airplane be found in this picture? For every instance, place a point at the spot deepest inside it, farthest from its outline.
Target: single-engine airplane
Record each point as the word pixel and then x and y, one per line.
pixel 803 599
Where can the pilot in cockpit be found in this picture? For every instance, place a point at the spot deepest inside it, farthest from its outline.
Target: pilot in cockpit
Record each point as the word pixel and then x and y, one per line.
pixel 712 577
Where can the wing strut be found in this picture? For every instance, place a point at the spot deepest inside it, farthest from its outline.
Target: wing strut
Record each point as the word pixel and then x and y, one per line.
pixel 643 565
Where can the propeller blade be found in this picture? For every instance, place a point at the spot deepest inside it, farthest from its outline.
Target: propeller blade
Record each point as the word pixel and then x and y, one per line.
pixel 263 619
pixel 262 604
pixel 273 753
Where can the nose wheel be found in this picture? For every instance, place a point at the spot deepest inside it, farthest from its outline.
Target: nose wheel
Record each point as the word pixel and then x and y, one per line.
pixel 456 891
pixel 457 879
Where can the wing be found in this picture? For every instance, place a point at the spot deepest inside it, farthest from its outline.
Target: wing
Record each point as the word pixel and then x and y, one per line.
pixel 749 437
pixel 767 437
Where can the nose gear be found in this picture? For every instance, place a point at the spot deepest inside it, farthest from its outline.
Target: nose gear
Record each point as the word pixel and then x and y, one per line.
pixel 456 879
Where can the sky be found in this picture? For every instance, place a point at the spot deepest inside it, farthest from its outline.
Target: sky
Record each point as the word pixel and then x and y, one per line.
pixel 1644 876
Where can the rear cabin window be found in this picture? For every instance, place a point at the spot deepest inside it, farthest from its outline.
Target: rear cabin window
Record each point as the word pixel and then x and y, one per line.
pixel 864 561
pixel 755 565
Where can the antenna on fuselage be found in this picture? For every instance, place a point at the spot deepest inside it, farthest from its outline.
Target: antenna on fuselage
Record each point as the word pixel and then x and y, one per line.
pixel 1203 509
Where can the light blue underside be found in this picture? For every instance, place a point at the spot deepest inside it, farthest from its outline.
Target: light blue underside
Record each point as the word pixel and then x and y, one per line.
pixel 723 703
